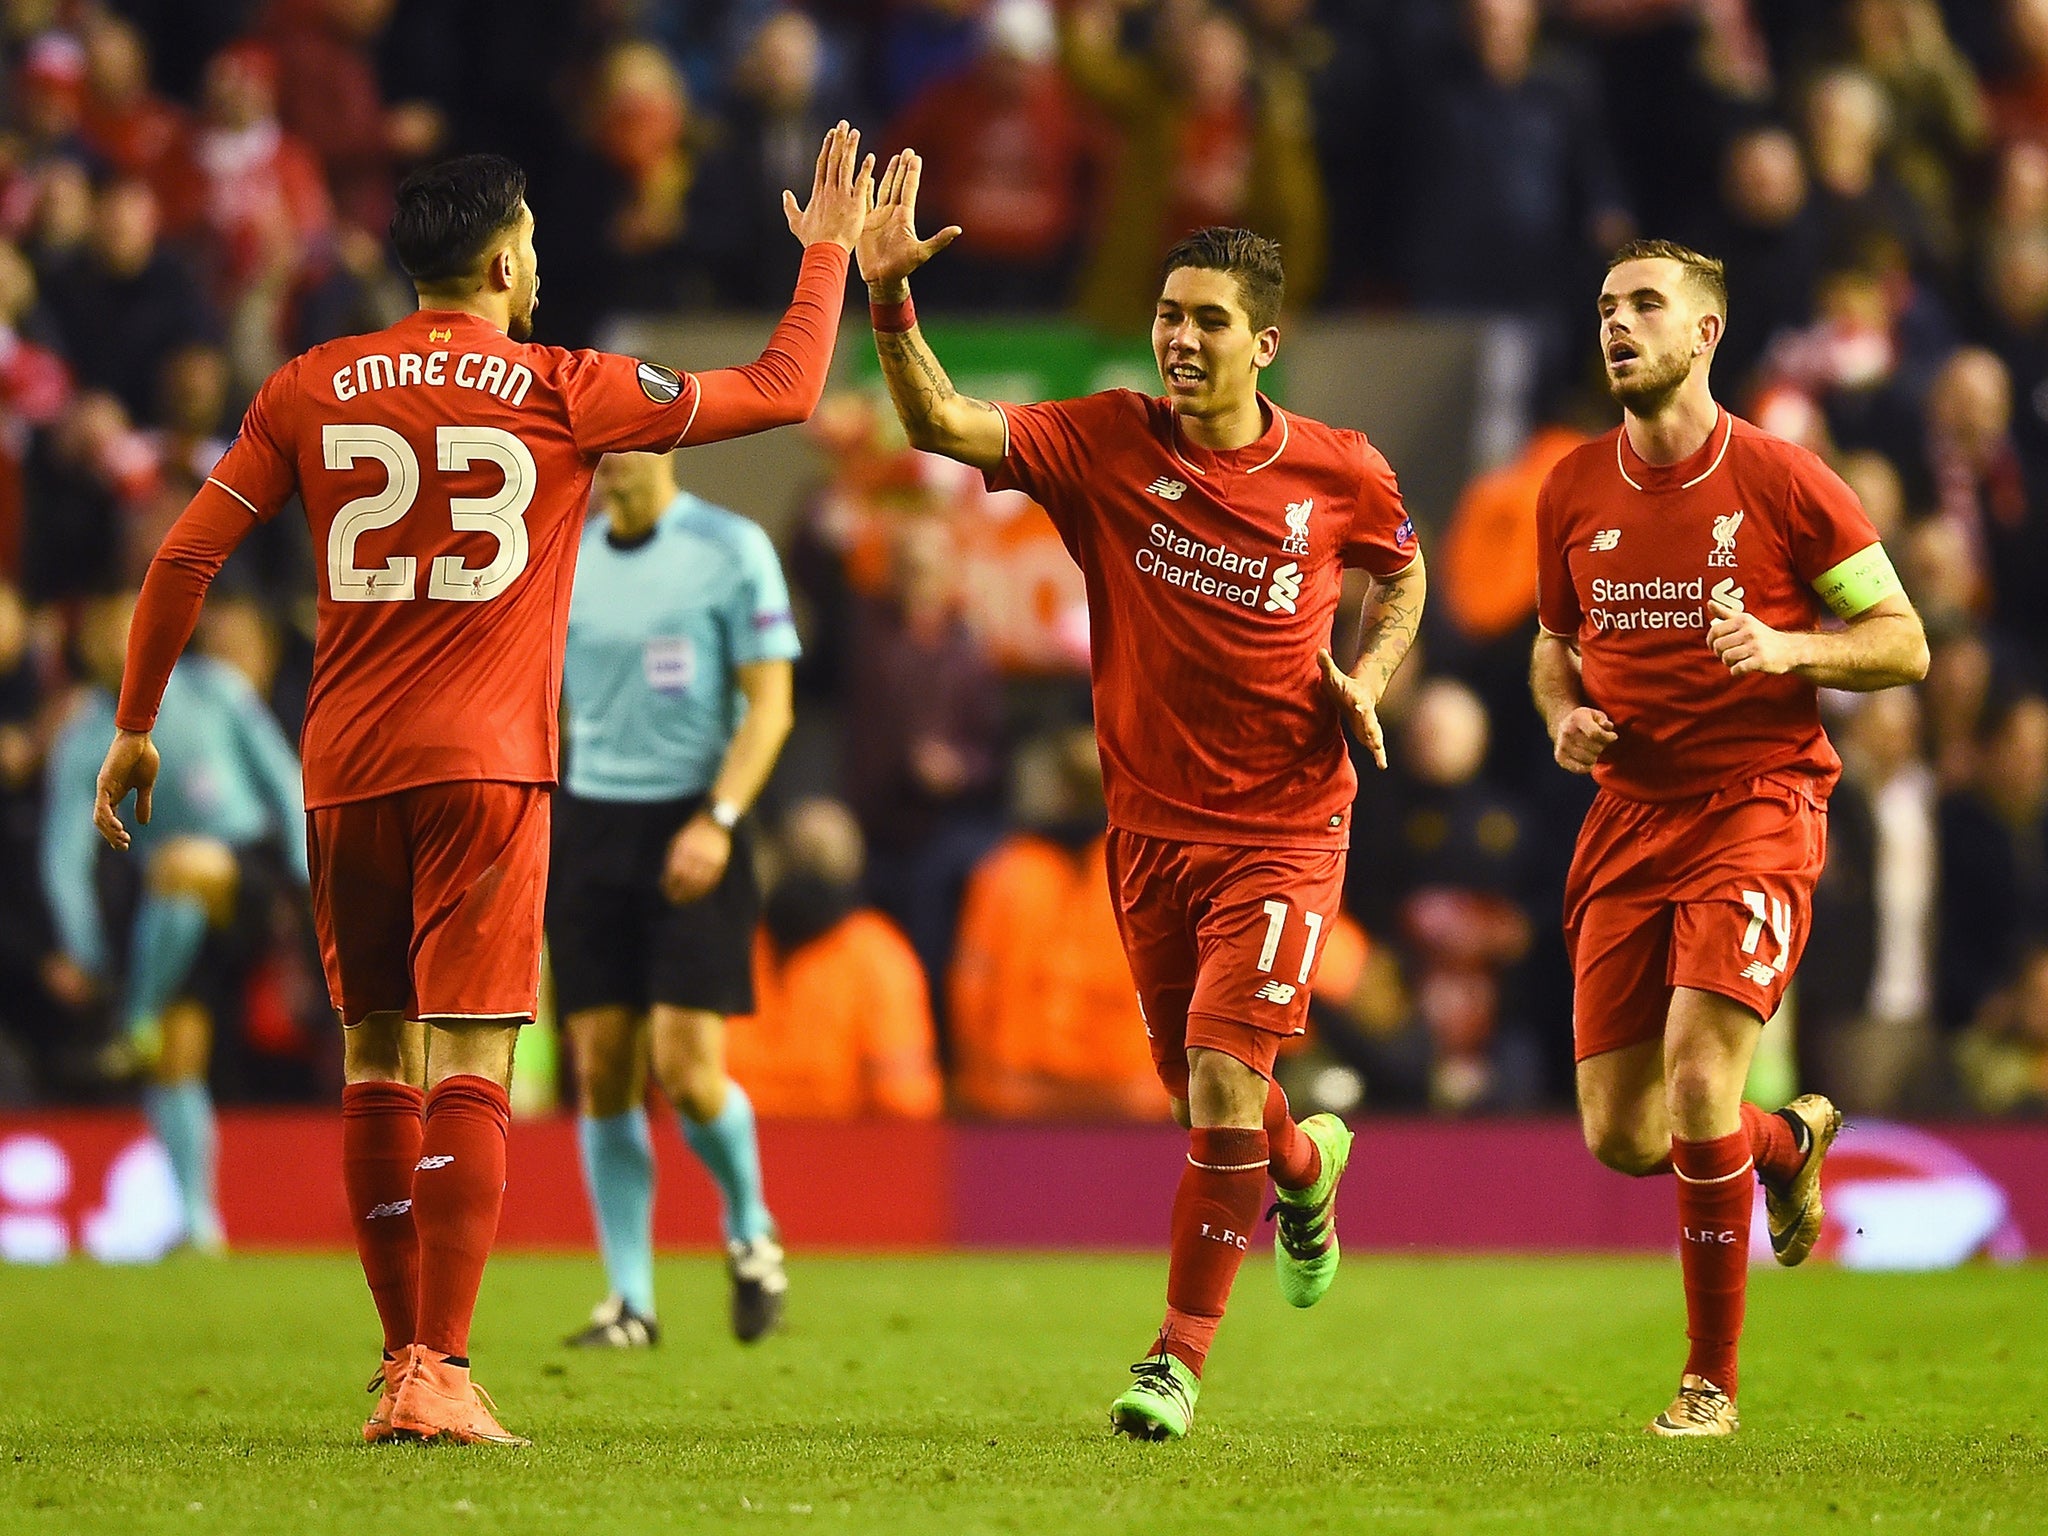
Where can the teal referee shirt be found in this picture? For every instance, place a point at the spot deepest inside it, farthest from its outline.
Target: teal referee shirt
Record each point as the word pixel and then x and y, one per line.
pixel 656 631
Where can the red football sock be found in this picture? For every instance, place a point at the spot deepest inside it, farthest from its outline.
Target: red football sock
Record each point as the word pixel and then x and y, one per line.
pixel 380 1143
pixel 1214 1212
pixel 1715 1196
pixel 1772 1143
pixel 1297 1161
pixel 457 1193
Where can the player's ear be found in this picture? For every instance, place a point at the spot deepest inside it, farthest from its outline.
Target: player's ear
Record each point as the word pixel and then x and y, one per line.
pixel 1266 346
pixel 1710 329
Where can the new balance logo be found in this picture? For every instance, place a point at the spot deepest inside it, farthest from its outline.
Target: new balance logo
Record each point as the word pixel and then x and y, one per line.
pixel 1606 539
pixel 1281 992
pixel 389 1208
pixel 1172 490
pixel 442 1161
pixel 1759 973
pixel 1286 589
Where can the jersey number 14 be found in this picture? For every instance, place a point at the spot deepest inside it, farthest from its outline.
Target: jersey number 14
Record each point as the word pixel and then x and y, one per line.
pixel 502 514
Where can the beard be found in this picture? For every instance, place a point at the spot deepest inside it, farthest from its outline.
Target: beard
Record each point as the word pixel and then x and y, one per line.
pixel 1654 384
pixel 520 325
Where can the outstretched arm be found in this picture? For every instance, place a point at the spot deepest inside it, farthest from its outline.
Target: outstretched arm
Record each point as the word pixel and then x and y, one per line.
pixel 1387 624
pixel 935 415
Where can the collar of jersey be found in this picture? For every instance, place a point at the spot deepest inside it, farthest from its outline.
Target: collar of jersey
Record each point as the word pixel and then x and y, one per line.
pixel 1278 430
pixel 1655 474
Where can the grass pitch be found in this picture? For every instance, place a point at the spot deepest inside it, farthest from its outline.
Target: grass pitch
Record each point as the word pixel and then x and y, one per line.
pixel 969 1394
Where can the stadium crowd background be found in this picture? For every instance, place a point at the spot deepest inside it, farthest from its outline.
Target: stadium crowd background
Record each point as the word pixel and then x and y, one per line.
pixel 193 190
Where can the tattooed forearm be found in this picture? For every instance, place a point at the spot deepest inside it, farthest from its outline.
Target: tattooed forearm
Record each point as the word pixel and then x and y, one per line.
pixel 936 416
pixel 1387 625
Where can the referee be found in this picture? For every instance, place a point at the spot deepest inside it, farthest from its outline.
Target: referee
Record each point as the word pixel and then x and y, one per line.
pixel 677 699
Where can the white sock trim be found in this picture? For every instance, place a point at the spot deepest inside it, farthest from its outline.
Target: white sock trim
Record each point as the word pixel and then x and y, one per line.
pixel 1231 1167
pixel 1748 1166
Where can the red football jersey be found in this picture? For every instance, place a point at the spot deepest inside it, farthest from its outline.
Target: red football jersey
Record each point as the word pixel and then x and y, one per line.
pixel 445 470
pixel 1212 581
pixel 1630 553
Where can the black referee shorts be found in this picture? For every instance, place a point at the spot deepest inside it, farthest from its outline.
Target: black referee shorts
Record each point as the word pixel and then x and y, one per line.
pixel 616 942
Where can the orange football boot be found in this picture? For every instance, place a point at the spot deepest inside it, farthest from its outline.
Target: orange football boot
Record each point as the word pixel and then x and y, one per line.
pixel 385 1384
pixel 436 1400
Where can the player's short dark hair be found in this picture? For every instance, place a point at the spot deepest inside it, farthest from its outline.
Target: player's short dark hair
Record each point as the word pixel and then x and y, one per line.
pixel 1708 277
pixel 1247 256
pixel 449 213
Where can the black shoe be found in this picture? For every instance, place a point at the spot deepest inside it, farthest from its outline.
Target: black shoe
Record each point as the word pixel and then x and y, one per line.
pixel 759 1283
pixel 614 1325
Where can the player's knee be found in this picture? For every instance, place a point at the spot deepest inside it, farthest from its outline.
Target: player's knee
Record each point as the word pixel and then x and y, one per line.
pixel 604 1084
pixel 1182 1116
pixel 198 867
pixel 1222 1090
pixel 697 1090
pixel 1698 1093
pixel 1623 1148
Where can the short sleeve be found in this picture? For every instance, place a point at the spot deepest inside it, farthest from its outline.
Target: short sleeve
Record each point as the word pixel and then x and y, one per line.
pixel 761 624
pixel 1047 453
pixel 259 469
pixel 1382 534
pixel 1557 600
pixel 1827 524
pixel 621 405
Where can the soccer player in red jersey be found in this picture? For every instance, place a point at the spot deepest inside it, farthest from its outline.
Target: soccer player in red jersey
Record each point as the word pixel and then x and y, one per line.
pixel 445 465
pixel 1689 563
pixel 1212 529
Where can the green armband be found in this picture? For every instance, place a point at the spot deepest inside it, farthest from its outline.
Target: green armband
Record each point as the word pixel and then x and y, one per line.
pixel 1862 581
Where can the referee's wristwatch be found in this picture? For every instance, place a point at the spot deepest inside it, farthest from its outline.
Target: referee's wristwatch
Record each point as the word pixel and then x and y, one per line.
pixel 725 815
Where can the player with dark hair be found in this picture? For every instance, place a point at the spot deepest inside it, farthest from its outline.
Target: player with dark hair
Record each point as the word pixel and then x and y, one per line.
pixel 1687 564
pixel 445 465
pixel 1212 529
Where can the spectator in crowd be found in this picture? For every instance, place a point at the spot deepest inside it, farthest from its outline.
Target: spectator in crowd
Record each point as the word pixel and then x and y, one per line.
pixel 1199 145
pixel 1856 196
pixel 2002 1057
pixel 2019 101
pixel 1508 155
pixel 1362 1022
pixel 842 1025
pixel 330 99
pixel 777 114
pixel 35 386
pixel 1007 152
pixel 128 303
pixel 1866 987
pixel 1044 1022
pixel 924 41
pixel 1994 861
pixel 1767 234
pixel 619 214
pixel 923 733
pixel 1936 110
pixel 1449 879
pixel 133 130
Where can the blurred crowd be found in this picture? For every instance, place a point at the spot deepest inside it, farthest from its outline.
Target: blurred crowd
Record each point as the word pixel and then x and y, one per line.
pixel 193 190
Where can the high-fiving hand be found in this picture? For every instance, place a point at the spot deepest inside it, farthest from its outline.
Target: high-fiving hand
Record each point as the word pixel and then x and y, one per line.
pixel 889 250
pixel 841 192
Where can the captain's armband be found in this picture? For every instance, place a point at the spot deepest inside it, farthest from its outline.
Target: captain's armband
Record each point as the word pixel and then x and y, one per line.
pixel 1859 583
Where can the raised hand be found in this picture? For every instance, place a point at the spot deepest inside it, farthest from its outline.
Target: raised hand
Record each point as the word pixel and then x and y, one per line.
pixel 889 250
pixel 841 192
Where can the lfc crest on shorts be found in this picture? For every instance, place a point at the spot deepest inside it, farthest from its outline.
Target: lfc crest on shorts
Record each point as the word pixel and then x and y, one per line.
pixel 1725 529
pixel 1298 513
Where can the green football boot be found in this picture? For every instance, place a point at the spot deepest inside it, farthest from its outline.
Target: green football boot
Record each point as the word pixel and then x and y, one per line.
pixel 1160 1404
pixel 1305 1220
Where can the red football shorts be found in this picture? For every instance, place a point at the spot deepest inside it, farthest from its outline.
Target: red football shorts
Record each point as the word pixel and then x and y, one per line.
pixel 1223 943
pixel 428 902
pixel 1714 893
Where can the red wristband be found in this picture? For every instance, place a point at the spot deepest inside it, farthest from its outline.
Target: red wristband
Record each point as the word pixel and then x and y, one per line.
pixel 893 318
